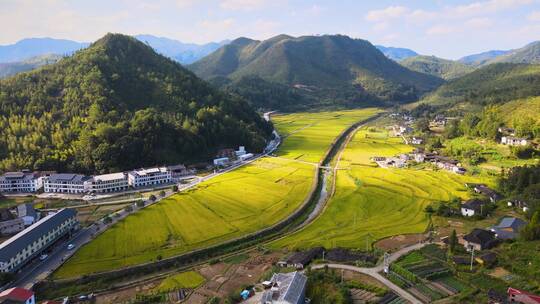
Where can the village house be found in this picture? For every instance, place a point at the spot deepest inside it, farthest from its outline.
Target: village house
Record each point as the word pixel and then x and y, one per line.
pixel 519 204
pixel 22 182
pixel 112 182
pixel 286 288
pixel 473 207
pixel 32 241
pixel 488 192
pixel 301 259
pixel 65 183
pixel 27 213
pixel 9 224
pixel 180 171
pixel 440 120
pixel 17 295
pixel 479 239
pixel 149 177
pixel 514 141
pixel 506 131
pixel 520 296
pixel 486 259
pixel 417 141
pixel 508 228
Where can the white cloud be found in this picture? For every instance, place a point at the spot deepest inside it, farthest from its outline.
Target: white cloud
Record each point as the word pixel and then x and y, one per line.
pixel 440 30
pixel 244 5
pixel 478 23
pixel 486 7
pixel 534 16
pixel 385 14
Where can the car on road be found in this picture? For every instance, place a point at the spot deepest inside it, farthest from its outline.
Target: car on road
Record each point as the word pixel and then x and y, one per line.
pixel 70 246
pixel 43 257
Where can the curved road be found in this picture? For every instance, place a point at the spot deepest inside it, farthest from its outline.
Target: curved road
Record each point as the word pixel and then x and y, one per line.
pixel 375 271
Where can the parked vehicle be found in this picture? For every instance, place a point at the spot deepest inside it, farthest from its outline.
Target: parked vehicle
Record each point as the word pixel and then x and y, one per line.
pixel 70 246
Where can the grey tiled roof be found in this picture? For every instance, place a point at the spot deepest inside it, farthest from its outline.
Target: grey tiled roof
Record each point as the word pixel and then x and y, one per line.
pixel 21 240
pixel 67 177
pixel 291 288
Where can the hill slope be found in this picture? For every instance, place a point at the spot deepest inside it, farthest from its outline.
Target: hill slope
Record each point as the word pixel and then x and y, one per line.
pixel 527 54
pixel 481 58
pixel 494 83
pixel 332 69
pixel 12 68
pixel 118 105
pixel 443 68
pixel 395 53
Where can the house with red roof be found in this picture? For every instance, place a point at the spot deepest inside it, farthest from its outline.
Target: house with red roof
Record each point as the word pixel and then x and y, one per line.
pixel 17 295
pixel 520 296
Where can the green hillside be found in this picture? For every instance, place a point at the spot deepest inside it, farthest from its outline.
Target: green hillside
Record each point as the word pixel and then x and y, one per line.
pixel 443 68
pixel 118 105
pixel 332 69
pixel 494 83
pixel 527 54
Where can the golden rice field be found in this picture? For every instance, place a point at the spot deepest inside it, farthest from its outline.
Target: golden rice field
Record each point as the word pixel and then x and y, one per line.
pixel 231 205
pixel 373 203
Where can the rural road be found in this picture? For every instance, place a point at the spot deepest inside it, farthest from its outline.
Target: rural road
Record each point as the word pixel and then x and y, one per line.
pixel 375 271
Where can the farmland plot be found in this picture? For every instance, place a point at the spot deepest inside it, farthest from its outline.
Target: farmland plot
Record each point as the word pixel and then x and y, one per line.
pixel 371 203
pixel 234 204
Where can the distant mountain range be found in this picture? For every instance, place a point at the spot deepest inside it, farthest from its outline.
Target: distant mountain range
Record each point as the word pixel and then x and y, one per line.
pixel 443 68
pixel 527 54
pixel 481 58
pixel 12 68
pixel 335 68
pixel 395 53
pixel 184 53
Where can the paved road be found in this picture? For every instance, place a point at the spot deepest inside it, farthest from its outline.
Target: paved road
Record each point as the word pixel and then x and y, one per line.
pixel 374 271
pixel 39 270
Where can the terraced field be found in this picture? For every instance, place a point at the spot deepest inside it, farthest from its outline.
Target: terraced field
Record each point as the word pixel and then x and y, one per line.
pixel 373 203
pixel 226 207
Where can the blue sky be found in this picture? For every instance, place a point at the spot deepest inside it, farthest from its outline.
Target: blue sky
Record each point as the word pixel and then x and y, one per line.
pixel 448 29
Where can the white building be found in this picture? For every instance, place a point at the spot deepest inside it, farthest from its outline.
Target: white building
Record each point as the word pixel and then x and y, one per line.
pixel 514 141
pixel 65 183
pixel 148 177
pixel 241 151
pixel 417 141
pixel 34 240
pixel 245 157
pixel 112 182
pixel 20 182
pixel 222 161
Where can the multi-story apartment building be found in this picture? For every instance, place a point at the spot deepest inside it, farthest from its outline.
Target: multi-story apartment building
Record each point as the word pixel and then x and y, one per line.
pixel 148 177
pixel 107 183
pixel 65 183
pixel 20 182
pixel 32 241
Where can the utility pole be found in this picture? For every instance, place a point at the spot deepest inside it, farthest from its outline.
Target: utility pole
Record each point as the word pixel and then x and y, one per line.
pixel 472 256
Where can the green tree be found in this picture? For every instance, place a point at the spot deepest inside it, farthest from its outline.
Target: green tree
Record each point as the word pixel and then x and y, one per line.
pixel 452 241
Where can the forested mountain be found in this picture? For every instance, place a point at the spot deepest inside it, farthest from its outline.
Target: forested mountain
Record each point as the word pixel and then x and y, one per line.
pixel 331 69
pixel 184 53
pixel 395 53
pixel 494 83
pixel 443 68
pixel 33 47
pixel 12 68
pixel 527 54
pixel 118 105
pixel 481 58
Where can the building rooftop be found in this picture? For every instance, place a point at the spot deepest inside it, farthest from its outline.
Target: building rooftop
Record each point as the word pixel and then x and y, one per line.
pixel 22 239
pixel 26 209
pixel 17 176
pixel 67 177
pixel 5 215
pixel 16 294
pixel 473 204
pixel 508 228
pixel 287 288
pixel 304 257
pixel 109 177
pixel 480 236
pixel 143 172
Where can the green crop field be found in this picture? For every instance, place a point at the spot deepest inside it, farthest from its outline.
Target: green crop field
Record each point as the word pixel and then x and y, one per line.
pixel 189 279
pixel 373 203
pixel 226 207
pixel 308 135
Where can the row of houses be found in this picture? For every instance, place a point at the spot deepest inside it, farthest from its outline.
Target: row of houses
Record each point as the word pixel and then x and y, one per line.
pixel 402 160
pixel 71 183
